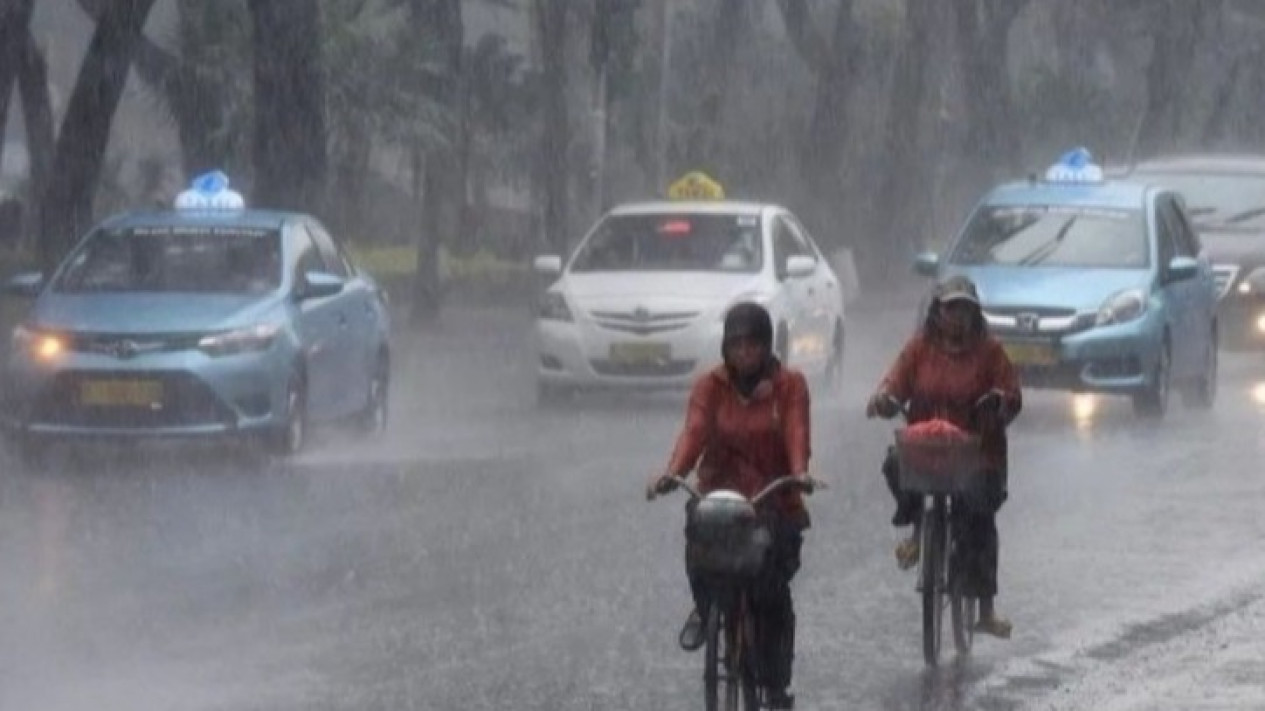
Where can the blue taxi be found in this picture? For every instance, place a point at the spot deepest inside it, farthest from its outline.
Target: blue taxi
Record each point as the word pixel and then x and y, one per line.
pixel 206 320
pixel 1092 285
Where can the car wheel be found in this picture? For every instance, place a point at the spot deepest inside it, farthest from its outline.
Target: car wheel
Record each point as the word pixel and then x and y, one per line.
pixel 834 367
pixel 291 437
pixel 549 395
pixel 373 419
pixel 1152 403
pixel 1202 394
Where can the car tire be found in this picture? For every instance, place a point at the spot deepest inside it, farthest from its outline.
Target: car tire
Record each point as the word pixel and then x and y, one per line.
pixel 1202 393
pixel 291 437
pixel 1152 403
pixel 550 395
pixel 834 367
pixel 373 419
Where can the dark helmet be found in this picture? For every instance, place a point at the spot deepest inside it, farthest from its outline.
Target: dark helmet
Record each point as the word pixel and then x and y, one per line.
pixel 748 320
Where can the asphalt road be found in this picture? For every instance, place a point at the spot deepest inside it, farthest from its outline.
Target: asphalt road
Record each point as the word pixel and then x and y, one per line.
pixel 484 555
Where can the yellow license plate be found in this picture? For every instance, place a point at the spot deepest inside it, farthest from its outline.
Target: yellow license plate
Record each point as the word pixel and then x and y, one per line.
pixel 1031 354
pixel 120 393
pixel 640 353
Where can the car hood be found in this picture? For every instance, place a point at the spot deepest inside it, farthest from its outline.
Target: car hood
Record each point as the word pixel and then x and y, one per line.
pixel 148 313
pixel 1050 287
pixel 656 290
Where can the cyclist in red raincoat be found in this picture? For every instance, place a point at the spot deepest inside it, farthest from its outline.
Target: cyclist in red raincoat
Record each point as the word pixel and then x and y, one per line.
pixel 945 371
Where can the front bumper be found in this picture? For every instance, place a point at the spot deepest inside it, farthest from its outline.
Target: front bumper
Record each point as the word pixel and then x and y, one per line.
pixel 1119 359
pixel 584 355
pixel 185 394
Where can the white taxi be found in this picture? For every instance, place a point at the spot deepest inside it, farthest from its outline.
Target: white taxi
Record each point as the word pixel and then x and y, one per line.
pixel 640 302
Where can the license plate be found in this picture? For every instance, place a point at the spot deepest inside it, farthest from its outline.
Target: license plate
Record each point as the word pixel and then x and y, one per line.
pixel 120 393
pixel 640 353
pixel 1031 354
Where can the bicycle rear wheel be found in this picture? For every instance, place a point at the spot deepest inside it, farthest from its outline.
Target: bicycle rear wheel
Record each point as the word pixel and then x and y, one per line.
pixel 746 662
pixel 933 557
pixel 711 659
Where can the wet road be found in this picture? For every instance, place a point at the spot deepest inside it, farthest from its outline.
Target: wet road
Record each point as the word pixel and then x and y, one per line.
pixel 485 556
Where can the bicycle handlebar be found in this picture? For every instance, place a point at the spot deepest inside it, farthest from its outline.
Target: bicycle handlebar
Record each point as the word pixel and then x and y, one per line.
pixel 805 483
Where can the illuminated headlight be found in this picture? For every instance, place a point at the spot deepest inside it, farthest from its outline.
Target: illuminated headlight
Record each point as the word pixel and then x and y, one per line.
pixel 1260 324
pixel 242 340
pixel 553 307
pixel 1122 307
pixel 38 344
pixel 1254 282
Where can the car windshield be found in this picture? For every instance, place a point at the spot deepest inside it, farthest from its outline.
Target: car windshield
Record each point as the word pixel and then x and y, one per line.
pixel 673 242
pixel 1222 200
pixel 176 259
pixel 1054 236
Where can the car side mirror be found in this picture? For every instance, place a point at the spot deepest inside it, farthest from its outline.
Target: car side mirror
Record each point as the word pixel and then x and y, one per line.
pixel 1182 268
pixel 927 264
pixel 27 285
pixel 318 285
pixel 548 264
pixel 799 266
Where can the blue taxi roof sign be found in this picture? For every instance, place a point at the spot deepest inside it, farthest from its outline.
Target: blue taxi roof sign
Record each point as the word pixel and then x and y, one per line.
pixel 1075 167
pixel 210 191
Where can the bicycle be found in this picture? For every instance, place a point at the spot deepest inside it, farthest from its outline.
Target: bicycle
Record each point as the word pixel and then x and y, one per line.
pixel 941 472
pixel 727 546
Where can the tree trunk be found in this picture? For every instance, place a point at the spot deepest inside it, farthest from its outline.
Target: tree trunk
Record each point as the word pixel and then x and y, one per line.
pixel 992 142
pixel 438 23
pixel 1177 25
pixel 551 16
pixel 66 208
pixel 290 152
pixel 904 195
pixel 834 61
pixel 15 21
pixel 37 113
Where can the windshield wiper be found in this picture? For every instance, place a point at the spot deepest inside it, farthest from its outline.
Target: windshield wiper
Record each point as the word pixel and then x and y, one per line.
pixel 1043 251
pixel 1244 216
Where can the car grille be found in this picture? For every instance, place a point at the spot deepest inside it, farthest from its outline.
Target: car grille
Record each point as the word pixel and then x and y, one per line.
pixel 1223 275
pixel 660 369
pixel 642 322
pixel 124 345
pixel 1037 319
pixel 186 401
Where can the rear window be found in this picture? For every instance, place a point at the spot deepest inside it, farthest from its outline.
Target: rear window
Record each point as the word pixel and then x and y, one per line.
pixel 176 259
pixel 673 242
pixel 1054 236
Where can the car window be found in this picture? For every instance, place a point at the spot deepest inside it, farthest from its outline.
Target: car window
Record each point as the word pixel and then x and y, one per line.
pixel 307 256
pixel 787 243
pixel 1218 199
pixel 673 242
pixel 1054 236
pixel 331 254
pixel 176 258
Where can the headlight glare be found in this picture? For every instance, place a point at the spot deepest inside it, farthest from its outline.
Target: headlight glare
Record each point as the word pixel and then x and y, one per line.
pixel 553 307
pixel 38 344
pixel 241 340
pixel 1254 282
pixel 1122 307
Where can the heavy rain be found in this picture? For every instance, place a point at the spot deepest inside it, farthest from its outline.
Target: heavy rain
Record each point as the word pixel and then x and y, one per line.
pixel 344 342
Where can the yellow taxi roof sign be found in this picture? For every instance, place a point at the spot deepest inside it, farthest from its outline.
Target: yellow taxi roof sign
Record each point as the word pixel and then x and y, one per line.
pixel 696 185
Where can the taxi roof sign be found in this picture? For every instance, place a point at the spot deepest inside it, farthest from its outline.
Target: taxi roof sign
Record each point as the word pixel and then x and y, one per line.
pixel 210 191
pixel 1075 167
pixel 696 185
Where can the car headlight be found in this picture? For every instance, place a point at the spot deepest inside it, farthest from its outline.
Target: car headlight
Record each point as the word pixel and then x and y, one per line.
pixel 241 340
pixel 40 345
pixel 553 307
pixel 1122 307
pixel 1254 282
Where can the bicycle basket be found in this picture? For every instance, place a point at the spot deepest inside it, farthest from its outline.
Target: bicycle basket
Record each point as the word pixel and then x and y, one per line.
pixel 938 466
pixel 725 537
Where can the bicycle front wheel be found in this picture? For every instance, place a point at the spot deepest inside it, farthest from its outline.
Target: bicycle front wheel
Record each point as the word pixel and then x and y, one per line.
pixel 711 659
pixel 964 613
pixel 933 557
